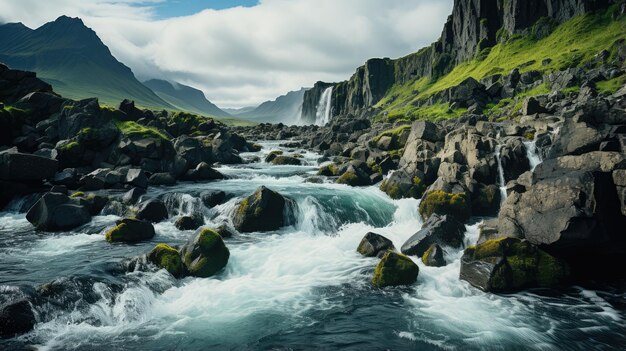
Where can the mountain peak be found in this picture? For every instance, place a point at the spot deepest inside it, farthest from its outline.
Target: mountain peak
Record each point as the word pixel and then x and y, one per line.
pixel 69 20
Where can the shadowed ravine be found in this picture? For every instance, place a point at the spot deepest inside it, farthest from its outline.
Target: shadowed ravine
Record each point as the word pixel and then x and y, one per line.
pixel 302 285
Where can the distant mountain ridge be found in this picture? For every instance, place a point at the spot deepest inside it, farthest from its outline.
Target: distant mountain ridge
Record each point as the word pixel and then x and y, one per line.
pixel 72 58
pixel 285 108
pixel 185 98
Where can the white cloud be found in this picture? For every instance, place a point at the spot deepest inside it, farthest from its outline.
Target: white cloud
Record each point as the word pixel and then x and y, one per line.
pixel 243 56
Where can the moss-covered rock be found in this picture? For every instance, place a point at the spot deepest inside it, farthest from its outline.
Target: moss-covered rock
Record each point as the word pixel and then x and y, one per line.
pixel 433 257
pixel 205 255
pixel 395 269
pixel 168 258
pixel 329 170
pixel 441 202
pixel 374 244
pixel 130 230
pixel 486 200
pixel 272 155
pixel 286 160
pixel 262 211
pixel 510 265
pixel 400 185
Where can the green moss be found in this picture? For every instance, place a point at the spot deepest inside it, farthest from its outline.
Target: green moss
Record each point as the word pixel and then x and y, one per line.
pixel 168 258
pixel 395 269
pixel 392 190
pixel 392 133
pixel 78 194
pixel 441 202
pixel 542 89
pixel 571 90
pixel 117 233
pixel 130 128
pixel 329 170
pixel 243 206
pixel 529 135
pixel 375 167
pixel 612 85
pixel 349 178
pixel 572 43
pixel 208 239
pixel 428 253
pixel 208 256
pixel 69 147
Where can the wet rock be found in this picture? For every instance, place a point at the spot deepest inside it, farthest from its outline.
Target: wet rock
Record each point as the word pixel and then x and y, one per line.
pixel 395 269
pixel 262 211
pixel 354 176
pixel 16 318
pixel 225 231
pixel 272 155
pixel 213 198
pixel 445 203
pixel 203 172
pixel 162 179
pixel 56 212
pixel 168 258
pixel 152 210
pixel 511 265
pixel 374 245
pixel 433 257
pixel 400 184
pixel 15 166
pixel 189 222
pixel 130 230
pixel 133 195
pixel 205 255
pixel 442 230
pixel 286 160
pixel 136 177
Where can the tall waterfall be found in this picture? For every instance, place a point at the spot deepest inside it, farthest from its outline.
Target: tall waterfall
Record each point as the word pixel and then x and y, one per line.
pixel 501 179
pixel 322 116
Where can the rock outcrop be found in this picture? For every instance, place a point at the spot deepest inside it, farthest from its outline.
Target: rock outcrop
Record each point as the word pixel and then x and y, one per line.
pixel 395 269
pixel 205 254
pixel 261 212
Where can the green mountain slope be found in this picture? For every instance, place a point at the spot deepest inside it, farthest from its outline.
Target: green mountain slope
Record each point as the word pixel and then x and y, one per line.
pixel 74 60
pixel 185 98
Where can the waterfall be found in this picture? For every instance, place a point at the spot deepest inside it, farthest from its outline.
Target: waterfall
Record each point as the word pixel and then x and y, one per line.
pixel 531 152
pixel 501 180
pixel 322 116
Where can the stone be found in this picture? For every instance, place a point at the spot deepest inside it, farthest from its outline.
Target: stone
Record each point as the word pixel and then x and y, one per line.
pixel 510 265
pixel 260 212
pixel 136 177
pixel 433 257
pixel 374 245
pixel 395 269
pixel 162 179
pixel 166 257
pixel 225 231
pixel 130 230
pixel 443 230
pixel 205 255
pixel 133 195
pixel 213 198
pixel 286 160
pixel 530 106
pixel 15 166
pixel 152 210
pixel 58 212
pixel 445 203
pixel 189 222
pixel 16 318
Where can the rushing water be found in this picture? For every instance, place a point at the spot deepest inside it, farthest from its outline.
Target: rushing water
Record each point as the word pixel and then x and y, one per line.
pixel 301 287
pixel 324 107
pixel 532 154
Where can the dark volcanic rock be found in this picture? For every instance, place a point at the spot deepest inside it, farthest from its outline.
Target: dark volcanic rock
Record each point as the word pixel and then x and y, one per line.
pixel 395 269
pixel 374 245
pixel 130 230
pixel 205 255
pixel 262 211
pixel 55 212
pixel 213 198
pixel 440 230
pixel 25 167
pixel 433 257
pixel 153 211
pixel 16 318
pixel 189 222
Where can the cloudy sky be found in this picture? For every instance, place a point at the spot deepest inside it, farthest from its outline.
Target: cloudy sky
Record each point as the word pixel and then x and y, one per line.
pixel 243 52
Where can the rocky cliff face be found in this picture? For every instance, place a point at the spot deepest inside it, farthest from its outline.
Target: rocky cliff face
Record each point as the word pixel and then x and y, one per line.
pixel 473 26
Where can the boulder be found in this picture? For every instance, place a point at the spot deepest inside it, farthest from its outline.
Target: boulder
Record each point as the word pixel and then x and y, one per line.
pixel 15 166
pixel 575 138
pixel 433 257
pixel 354 176
pixel 130 230
pixel 272 155
pixel 400 184
pixel 374 245
pixel 443 230
pixel 444 203
pixel 161 179
pixel 152 210
pixel 203 172
pixel 395 269
pixel 225 231
pixel 133 195
pixel 16 318
pixel 189 222
pixel 205 255
pixel 511 265
pixel 212 198
pixel 262 211
pixel 57 212
pixel 286 160
pixel 136 177
pixel 166 257
pixel 530 106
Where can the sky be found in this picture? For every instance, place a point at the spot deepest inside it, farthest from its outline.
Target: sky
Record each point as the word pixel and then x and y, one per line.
pixel 244 52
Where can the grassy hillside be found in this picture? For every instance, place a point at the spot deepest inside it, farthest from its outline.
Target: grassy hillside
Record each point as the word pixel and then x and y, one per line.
pixel 570 44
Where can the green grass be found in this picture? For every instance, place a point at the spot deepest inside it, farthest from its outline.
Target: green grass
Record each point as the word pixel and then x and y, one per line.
pixel 573 43
pixel 131 128
pixel 397 132
pixel 612 85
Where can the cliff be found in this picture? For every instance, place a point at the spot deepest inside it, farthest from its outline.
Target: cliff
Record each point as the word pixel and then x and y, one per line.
pixel 473 26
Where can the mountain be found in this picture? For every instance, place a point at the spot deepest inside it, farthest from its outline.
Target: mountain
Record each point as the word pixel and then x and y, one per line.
pixel 481 40
pixel 286 109
pixel 185 98
pixel 237 111
pixel 72 58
